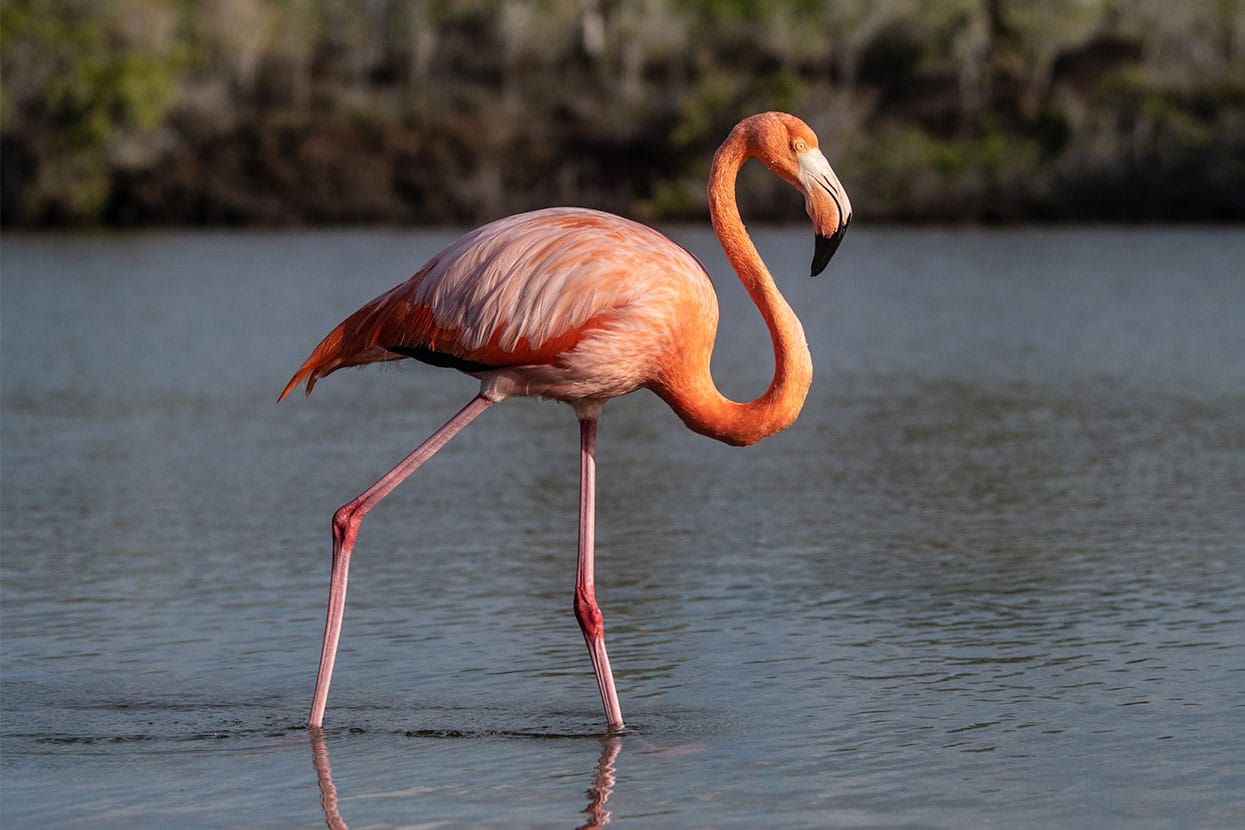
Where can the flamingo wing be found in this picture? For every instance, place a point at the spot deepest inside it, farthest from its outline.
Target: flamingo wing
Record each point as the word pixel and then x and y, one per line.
pixel 520 291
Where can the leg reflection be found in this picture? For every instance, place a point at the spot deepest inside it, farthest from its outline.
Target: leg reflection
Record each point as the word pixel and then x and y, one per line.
pixel 598 794
pixel 602 785
pixel 324 777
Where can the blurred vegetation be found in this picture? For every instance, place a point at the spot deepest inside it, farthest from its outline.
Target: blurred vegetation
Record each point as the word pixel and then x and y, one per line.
pixel 129 112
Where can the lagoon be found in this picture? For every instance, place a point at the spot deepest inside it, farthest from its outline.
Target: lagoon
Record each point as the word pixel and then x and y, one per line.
pixel 995 574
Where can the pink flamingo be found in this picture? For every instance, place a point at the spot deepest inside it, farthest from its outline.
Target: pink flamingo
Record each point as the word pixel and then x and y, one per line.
pixel 582 306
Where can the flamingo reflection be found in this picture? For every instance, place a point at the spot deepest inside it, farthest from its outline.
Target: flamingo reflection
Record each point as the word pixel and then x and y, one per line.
pixel 324 777
pixel 602 785
pixel 598 794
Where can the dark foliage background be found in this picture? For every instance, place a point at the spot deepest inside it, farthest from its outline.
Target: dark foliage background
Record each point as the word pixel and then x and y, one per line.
pixel 139 112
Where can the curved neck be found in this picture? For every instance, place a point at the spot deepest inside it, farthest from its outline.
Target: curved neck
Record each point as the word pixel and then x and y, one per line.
pixel 694 396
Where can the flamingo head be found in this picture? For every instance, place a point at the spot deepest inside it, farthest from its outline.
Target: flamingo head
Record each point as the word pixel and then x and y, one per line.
pixel 788 147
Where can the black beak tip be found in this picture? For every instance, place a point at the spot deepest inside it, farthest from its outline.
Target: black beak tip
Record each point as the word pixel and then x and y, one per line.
pixel 824 248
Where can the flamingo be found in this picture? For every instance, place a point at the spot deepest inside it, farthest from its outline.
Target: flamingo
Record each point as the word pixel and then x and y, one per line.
pixel 581 306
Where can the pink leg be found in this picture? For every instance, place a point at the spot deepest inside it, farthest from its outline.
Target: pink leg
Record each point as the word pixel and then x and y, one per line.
pixel 586 609
pixel 346 527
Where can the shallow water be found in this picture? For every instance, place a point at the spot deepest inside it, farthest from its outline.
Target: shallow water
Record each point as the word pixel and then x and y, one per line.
pixel 994 574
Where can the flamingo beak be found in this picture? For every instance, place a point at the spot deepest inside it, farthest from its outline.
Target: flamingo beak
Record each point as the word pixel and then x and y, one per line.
pixel 824 198
pixel 825 246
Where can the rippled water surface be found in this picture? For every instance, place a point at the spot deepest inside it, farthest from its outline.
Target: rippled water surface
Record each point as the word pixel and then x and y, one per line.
pixel 994 575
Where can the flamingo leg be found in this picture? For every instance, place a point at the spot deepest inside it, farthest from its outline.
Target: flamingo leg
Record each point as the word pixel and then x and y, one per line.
pixel 346 527
pixel 591 623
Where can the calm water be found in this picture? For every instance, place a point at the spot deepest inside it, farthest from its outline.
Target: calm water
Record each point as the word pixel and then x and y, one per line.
pixel 995 575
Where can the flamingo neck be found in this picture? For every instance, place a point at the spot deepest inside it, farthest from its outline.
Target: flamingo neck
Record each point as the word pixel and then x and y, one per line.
pixel 696 398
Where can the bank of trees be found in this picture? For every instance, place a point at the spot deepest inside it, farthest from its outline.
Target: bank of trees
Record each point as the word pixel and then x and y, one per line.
pixel 294 111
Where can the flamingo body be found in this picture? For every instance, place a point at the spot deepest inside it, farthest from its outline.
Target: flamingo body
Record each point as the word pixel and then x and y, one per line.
pixel 565 303
pixel 583 306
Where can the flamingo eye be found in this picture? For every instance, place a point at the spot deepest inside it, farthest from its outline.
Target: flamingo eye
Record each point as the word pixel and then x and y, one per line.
pixel 800 145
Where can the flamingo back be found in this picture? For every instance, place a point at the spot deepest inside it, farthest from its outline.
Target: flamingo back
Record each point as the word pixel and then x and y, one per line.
pixel 528 291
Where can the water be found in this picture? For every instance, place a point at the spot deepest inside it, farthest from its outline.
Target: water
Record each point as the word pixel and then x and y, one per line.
pixel 994 575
